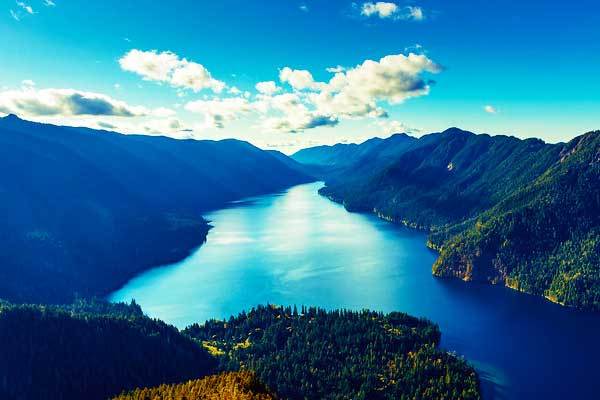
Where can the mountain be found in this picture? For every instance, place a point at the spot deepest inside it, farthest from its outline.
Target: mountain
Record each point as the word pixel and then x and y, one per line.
pixel 91 350
pixel 499 209
pixel 329 161
pixel 86 210
pixel 312 353
pixel 95 350
pixel 544 238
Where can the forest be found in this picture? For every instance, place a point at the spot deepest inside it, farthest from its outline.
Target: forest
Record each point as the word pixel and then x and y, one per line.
pixel 90 350
pixel 242 385
pixel 96 350
pixel 522 213
pixel 310 353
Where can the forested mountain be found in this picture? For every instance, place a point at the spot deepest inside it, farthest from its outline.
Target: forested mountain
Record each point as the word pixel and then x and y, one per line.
pixel 85 210
pixel 499 209
pixel 544 238
pixel 90 351
pixel 316 354
pixel 241 385
pixel 95 350
pixel 329 161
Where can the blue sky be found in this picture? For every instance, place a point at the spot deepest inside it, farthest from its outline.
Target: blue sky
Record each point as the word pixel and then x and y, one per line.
pixel 190 69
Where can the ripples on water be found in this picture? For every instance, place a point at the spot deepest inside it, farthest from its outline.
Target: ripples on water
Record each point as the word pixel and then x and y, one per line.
pixel 299 248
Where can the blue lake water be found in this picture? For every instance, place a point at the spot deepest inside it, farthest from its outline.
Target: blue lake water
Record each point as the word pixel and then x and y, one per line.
pixel 299 248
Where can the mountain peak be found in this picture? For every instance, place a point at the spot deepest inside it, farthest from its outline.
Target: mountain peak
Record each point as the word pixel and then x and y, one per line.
pixel 11 117
pixel 454 130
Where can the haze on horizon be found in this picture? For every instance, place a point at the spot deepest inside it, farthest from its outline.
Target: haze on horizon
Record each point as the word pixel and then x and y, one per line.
pixel 294 74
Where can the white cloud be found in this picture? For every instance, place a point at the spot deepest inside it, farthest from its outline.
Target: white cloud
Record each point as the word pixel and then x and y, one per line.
pixel 169 67
pixel 490 109
pixel 293 114
pixel 31 102
pixel 356 92
pixel 219 111
pixel 15 15
pixel 393 126
pixel 25 7
pixel 387 10
pixel 151 65
pixel 49 3
pixel 415 13
pixel 163 112
pixel 171 127
pixel 196 77
pixel 380 9
pixel 298 79
pixel 335 70
pixel 393 79
pixel 268 88
pixel 303 7
pixel 27 83
pixel 298 123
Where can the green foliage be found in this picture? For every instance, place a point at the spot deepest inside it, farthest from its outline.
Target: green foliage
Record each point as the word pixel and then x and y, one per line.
pixel 225 386
pixel 90 350
pixel 499 209
pixel 542 239
pixel 318 354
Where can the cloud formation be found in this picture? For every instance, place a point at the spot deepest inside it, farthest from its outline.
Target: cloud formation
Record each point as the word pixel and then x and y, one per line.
pixel 170 68
pixel 490 109
pixel 219 111
pixel 268 88
pixel 298 79
pixel 356 92
pixel 25 7
pixel 64 102
pixel 387 10
pixel 292 114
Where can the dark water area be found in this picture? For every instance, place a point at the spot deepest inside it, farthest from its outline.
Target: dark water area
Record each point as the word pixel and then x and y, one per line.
pixel 297 247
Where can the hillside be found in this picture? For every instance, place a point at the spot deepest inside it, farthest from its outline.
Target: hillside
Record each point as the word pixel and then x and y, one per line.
pixel 503 210
pixel 316 354
pixel 225 386
pixel 90 351
pixel 96 350
pixel 544 238
pixel 327 162
pixel 86 210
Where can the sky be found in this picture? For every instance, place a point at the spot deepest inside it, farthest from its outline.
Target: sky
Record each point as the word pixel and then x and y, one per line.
pixel 287 74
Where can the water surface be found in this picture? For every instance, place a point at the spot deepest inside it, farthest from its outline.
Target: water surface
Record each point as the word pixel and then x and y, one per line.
pixel 299 248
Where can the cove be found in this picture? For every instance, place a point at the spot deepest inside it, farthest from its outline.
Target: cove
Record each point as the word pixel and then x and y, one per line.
pixel 297 247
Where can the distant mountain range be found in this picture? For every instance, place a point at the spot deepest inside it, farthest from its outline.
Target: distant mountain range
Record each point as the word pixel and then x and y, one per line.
pixel 85 210
pixel 523 213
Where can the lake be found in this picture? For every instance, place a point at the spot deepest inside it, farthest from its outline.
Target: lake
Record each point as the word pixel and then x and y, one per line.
pixel 297 247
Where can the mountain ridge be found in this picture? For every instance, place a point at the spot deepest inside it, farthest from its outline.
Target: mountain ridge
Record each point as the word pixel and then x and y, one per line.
pixel 455 183
pixel 87 210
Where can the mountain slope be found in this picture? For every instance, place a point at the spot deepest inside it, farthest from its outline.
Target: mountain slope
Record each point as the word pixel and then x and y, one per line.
pixel 520 212
pixel 90 351
pixel 329 161
pixel 86 209
pixel 544 238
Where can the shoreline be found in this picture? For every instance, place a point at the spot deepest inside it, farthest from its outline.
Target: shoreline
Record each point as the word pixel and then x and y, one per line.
pixel 437 249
